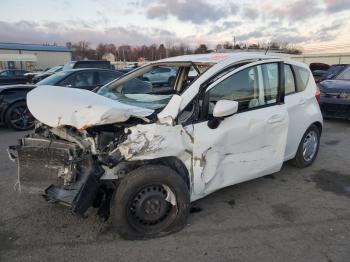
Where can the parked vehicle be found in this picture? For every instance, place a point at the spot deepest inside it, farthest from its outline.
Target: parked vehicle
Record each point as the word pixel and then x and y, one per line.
pixel 36 77
pixel 335 96
pixel 319 75
pixel 13 109
pixel 12 76
pixel 151 155
pixel 334 71
pixel 88 64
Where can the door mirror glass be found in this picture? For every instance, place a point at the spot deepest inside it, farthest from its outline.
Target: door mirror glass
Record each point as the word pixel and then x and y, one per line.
pixel 224 108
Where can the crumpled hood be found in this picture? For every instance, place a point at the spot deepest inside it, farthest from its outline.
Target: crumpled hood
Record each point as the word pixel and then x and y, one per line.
pixel 58 106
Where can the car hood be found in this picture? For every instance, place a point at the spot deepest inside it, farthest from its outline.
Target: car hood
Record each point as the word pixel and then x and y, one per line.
pixel 58 106
pixel 335 86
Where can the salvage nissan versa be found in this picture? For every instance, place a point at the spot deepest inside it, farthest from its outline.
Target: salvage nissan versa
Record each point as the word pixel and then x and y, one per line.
pixel 145 157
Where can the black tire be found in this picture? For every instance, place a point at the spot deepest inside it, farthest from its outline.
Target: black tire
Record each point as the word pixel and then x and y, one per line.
pixel 299 159
pixel 140 210
pixel 171 81
pixel 18 117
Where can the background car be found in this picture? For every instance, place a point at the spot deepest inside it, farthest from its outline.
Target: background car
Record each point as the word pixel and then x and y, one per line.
pixel 334 71
pixel 318 75
pixel 335 96
pixel 13 107
pixel 88 64
pixel 36 77
pixel 12 76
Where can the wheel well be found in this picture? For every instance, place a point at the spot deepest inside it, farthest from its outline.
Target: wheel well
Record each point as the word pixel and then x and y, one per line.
pixel 319 126
pixel 172 162
pixel 8 107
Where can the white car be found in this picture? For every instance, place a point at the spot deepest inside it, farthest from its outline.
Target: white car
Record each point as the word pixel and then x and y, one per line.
pixel 239 117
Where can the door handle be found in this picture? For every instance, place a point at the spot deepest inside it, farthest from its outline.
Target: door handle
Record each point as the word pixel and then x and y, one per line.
pixel 275 119
pixel 302 101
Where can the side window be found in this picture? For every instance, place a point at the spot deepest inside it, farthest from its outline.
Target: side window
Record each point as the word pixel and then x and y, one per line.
pixel 106 77
pixel 302 77
pixel 4 73
pixel 19 73
pixel 80 79
pixel 251 87
pixel 289 83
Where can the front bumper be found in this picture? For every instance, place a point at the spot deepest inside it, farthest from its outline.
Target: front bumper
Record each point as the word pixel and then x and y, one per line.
pixel 335 107
pixel 57 169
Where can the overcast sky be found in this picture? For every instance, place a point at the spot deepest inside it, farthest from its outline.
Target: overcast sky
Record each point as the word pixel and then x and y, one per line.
pixel 312 24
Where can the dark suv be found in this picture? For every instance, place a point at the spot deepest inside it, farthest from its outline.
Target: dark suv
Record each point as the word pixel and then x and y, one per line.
pixel 12 76
pixel 88 64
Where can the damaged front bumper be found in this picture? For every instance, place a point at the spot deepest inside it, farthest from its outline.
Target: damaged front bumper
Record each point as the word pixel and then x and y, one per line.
pixel 73 175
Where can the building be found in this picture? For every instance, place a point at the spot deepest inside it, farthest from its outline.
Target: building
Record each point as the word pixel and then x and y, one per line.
pixel 32 56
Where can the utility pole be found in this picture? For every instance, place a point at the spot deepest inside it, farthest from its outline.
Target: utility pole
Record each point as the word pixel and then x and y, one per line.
pixel 234 42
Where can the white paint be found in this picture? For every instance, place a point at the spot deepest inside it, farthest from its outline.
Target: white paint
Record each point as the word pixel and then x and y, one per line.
pixel 156 140
pixel 225 108
pixel 59 106
pixel 170 112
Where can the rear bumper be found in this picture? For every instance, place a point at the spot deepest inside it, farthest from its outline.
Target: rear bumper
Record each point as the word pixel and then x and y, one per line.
pixel 58 170
pixel 335 108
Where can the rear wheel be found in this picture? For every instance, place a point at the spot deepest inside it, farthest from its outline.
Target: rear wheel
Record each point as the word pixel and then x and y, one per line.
pixel 308 147
pixel 18 117
pixel 151 201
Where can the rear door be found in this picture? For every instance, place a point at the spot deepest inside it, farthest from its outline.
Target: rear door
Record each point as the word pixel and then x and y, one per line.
pixel 248 144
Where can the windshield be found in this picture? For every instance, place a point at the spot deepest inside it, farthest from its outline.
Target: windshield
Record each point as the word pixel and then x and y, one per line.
pixel 151 86
pixel 54 79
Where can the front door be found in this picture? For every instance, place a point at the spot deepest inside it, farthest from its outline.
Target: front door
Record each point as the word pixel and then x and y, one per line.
pixel 248 144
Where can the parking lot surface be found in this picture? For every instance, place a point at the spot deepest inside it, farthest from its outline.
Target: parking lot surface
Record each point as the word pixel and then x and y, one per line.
pixel 293 215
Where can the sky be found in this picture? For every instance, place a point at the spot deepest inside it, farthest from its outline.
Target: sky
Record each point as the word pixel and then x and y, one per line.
pixel 313 25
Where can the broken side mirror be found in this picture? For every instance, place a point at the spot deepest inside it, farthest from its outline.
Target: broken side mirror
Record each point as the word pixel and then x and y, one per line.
pixel 222 109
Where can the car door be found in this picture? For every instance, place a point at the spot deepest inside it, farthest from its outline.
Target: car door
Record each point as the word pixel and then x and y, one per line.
pixel 85 79
pixel 248 144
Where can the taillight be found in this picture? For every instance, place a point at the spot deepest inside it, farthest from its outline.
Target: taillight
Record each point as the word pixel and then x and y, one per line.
pixel 318 94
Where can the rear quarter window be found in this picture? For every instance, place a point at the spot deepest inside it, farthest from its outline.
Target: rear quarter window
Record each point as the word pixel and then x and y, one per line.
pixel 302 77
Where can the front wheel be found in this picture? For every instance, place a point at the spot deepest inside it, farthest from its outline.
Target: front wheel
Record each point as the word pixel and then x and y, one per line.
pixel 151 201
pixel 308 147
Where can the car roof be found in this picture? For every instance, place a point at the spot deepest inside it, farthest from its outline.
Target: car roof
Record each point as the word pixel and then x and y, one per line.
pixel 213 58
pixel 89 69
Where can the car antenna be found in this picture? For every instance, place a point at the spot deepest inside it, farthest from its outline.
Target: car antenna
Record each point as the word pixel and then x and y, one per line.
pixel 267 49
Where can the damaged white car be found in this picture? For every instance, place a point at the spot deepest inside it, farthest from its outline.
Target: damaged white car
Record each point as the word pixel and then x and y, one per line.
pixel 148 153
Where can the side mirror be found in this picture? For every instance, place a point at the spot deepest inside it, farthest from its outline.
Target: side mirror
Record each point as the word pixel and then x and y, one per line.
pixel 222 109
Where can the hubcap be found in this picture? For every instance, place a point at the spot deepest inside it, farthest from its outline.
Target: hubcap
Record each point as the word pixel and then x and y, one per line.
pixel 310 145
pixel 21 118
pixel 149 206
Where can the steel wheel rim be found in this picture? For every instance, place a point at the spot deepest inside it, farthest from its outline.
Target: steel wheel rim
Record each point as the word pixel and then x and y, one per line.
pixel 21 118
pixel 310 145
pixel 149 207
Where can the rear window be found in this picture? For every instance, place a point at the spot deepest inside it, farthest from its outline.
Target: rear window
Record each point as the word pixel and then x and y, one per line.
pixel 345 75
pixel 302 78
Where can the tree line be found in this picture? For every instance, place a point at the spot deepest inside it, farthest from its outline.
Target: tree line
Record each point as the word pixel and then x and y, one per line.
pixel 84 50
